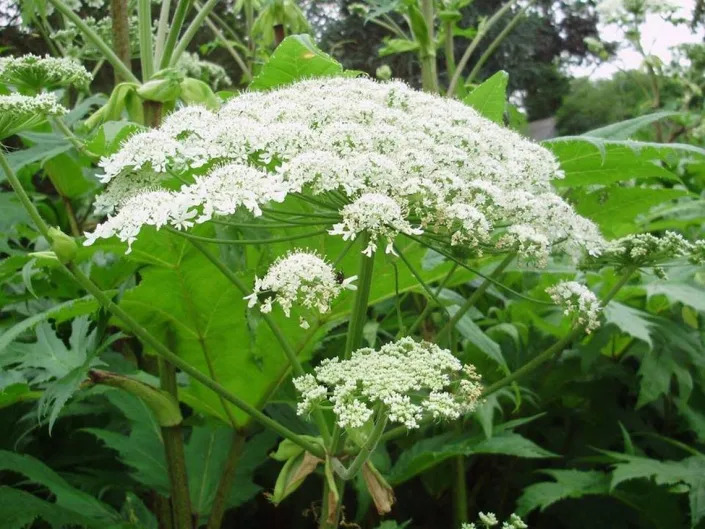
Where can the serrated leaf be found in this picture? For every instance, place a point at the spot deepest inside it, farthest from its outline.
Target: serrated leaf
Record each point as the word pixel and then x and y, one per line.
pixel 490 97
pixel 567 484
pixel 67 496
pixel 623 130
pixel 20 509
pixel 688 294
pixel 629 320
pixel 469 330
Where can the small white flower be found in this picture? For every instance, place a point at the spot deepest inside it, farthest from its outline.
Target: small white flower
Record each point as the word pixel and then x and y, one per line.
pixel 488 519
pixel 42 73
pixel 379 216
pixel 19 112
pixel 578 302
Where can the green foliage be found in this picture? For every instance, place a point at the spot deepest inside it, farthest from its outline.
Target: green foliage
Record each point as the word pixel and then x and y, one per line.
pixel 489 98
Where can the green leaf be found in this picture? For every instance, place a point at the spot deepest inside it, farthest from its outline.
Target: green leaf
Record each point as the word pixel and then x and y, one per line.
pixel 690 295
pixel 689 471
pixel 51 146
pixel 110 135
pixel 629 320
pixel 206 455
pixel 12 213
pixel 59 313
pixel 67 497
pixel 20 509
pixel 567 484
pixel 295 59
pixel 590 161
pixel 490 97
pixel 625 129
pixel 430 452
pixel 142 449
pixel 615 209
pixel 469 330
pixel 393 46
pixel 192 306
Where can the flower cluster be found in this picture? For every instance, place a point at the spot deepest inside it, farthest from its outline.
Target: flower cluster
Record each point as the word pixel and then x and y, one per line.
pixel 397 161
pixel 191 65
pixel 408 379
pixel 18 112
pixel 301 278
pixel 377 214
pixel 645 249
pixel 577 302
pixel 488 520
pixel 34 73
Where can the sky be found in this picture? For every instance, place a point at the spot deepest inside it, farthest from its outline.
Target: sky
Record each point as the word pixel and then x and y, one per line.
pixel 658 36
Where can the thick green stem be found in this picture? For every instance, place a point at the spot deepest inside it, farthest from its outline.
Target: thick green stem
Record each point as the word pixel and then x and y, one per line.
pixel 365 451
pixel 121 35
pixel 174 452
pixel 162 28
pixel 99 43
pixel 449 48
pixel 496 42
pixel 358 316
pixel 473 299
pixel 191 30
pixel 176 24
pixel 481 32
pixel 144 26
pixel 58 122
pixel 429 68
pixel 226 481
pixel 460 492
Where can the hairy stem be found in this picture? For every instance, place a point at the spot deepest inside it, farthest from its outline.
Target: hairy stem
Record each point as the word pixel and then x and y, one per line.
pixel 144 24
pixel 174 452
pixel 449 48
pixel 121 36
pixel 226 481
pixel 429 68
pixel 460 492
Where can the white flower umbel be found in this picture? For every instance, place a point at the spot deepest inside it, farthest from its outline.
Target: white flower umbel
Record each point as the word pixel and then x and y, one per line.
pixel 396 159
pixel 578 303
pixel 490 520
pixel 408 379
pixel 19 112
pixel 300 278
pixel 31 72
pixel 645 249
pixel 379 216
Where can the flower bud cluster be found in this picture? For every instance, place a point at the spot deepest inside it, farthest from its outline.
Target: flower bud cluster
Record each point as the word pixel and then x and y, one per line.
pixel 301 278
pixel 409 380
pixel 488 520
pixel 645 249
pixel 42 73
pixel 578 303
pixel 18 112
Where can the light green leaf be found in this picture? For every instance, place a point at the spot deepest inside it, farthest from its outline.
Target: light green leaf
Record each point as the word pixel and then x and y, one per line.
pixel 591 161
pixel 295 59
pixel 59 313
pixel 490 97
pixel 615 209
pixel 469 330
pixel 623 130
pixel 629 320
pixel 393 46
pixel 688 294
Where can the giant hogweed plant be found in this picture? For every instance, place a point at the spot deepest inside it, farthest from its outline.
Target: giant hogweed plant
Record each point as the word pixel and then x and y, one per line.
pixel 287 215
